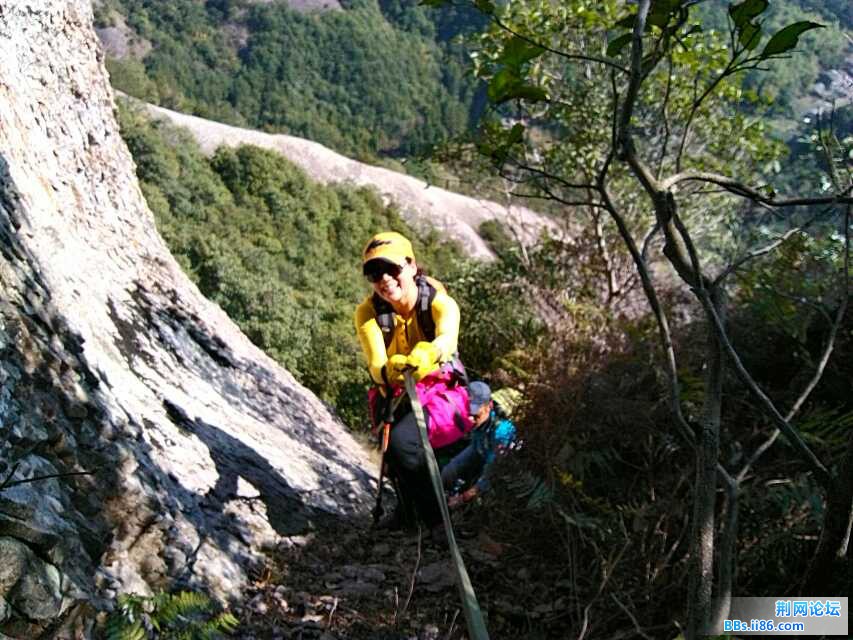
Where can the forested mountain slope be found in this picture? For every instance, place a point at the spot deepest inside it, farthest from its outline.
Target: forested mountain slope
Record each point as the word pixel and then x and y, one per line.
pixel 823 70
pixel 386 77
pixel 426 207
pixel 375 78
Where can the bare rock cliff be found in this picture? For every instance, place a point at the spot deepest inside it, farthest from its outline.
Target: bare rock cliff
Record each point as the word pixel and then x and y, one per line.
pixel 144 441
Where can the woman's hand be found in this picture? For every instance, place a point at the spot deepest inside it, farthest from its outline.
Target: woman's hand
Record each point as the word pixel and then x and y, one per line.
pixel 456 501
pixel 395 367
pixel 424 359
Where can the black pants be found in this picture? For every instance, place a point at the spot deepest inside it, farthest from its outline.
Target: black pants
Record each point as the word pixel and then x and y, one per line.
pixel 464 468
pixel 408 464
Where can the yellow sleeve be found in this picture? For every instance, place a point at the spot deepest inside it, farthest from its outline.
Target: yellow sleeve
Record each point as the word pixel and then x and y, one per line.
pixel 370 338
pixel 445 313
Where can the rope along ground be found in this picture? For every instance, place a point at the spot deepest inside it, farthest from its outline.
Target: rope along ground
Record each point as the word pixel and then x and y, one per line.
pixel 470 606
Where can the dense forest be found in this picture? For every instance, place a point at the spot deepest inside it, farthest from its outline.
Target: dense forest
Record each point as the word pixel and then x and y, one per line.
pixel 374 79
pixel 371 79
pixel 686 357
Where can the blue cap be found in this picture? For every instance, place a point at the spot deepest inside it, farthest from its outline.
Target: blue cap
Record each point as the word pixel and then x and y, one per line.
pixel 479 394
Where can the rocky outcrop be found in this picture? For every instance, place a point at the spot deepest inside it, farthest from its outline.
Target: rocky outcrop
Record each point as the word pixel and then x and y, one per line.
pixel 119 41
pixel 424 206
pixel 144 441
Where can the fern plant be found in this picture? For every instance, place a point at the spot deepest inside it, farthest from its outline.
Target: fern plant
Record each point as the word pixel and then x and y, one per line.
pixel 186 615
pixel 828 426
pixel 536 489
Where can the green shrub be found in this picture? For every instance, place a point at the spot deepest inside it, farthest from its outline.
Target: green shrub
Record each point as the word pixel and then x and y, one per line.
pixel 185 615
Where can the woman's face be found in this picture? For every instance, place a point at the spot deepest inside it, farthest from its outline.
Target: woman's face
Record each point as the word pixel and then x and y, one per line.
pixel 397 288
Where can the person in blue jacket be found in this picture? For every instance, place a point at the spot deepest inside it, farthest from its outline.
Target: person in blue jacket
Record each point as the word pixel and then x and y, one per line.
pixel 492 435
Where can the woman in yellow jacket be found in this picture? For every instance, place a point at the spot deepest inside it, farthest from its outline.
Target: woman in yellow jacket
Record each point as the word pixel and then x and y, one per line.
pixel 389 265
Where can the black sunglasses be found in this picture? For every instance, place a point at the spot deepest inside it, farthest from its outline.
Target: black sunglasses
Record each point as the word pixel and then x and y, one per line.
pixel 374 270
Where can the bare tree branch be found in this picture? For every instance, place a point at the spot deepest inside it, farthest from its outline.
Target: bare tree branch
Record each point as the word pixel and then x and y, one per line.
pixel 803 301
pixel 6 484
pixel 608 573
pixel 660 316
pixel 613 289
pixel 633 618
pixel 636 75
pixel 581 186
pixel 647 239
pixel 665 118
pixel 727 547
pixel 614 133
pixel 737 264
pixel 827 352
pixel 699 277
pixel 694 108
pixel 9 477
pixel 733 186
pixel 825 140
pixel 400 614
pixel 548 195
pixel 651 185
pixel 790 432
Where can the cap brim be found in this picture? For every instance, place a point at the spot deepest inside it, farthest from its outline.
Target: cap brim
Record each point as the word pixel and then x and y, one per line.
pixel 388 260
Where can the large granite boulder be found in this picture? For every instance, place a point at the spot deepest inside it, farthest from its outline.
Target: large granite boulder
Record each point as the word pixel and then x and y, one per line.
pixel 145 443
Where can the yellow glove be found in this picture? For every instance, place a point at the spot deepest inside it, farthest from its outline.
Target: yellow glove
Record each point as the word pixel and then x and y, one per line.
pixel 395 367
pixel 424 358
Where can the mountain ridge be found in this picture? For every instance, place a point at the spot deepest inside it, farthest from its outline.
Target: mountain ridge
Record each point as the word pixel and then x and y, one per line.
pixel 423 205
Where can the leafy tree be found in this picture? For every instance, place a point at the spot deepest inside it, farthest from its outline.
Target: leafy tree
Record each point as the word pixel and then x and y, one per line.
pixel 787 86
pixel 632 112
pixel 786 89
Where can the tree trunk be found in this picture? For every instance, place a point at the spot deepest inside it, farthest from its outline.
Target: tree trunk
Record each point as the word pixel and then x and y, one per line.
pixel 701 579
pixel 727 554
pixel 830 568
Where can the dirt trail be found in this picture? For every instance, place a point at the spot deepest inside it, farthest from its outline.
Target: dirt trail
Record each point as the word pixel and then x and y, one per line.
pixel 359 584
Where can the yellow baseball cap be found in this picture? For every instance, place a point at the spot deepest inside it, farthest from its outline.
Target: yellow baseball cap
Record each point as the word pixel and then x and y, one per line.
pixel 389 246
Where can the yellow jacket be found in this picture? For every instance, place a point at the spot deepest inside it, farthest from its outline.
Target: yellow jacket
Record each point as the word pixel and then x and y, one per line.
pixel 407 333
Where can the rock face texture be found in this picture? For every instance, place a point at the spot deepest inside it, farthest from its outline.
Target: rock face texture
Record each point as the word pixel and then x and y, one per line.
pixel 144 441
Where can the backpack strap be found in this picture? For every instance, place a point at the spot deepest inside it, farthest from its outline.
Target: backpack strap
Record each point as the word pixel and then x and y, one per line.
pixel 384 318
pixel 423 308
pixel 427 290
pixel 500 412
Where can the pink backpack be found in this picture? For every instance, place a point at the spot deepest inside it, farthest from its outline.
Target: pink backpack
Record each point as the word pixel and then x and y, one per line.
pixel 446 404
pixel 444 401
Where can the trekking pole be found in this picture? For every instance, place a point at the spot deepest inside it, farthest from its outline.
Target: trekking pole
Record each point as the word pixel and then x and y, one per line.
pixel 378 511
pixel 473 615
